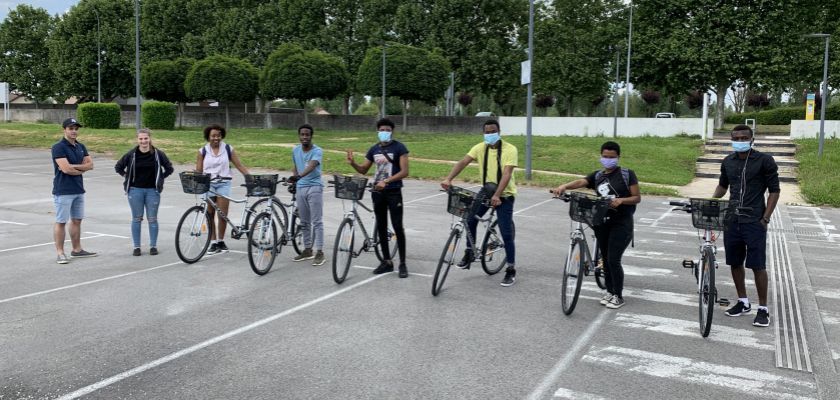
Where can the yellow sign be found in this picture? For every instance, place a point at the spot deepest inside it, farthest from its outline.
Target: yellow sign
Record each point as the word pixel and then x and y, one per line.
pixel 810 105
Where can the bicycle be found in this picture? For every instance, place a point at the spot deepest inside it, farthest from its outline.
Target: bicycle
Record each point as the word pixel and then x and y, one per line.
pixel 710 216
pixel 192 235
pixel 584 210
pixel 344 251
pixel 292 233
pixel 462 204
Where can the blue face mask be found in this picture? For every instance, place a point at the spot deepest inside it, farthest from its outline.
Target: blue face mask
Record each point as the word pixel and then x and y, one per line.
pixel 609 163
pixel 384 136
pixel 492 138
pixel 741 147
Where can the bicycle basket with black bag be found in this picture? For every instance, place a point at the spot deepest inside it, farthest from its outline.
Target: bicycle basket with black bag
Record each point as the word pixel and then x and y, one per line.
pixel 709 213
pixel 588 209
pixel 194 182
pixel 261 185
pixel 350 187
pixel 460 201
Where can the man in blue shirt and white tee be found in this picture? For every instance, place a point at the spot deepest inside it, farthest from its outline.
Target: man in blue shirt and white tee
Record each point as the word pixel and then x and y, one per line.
pixel 306 172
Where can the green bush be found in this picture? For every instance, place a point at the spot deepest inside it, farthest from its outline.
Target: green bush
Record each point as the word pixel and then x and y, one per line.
pixel 159 115
pixel 99 115
pixel 782 116
pixel 367 109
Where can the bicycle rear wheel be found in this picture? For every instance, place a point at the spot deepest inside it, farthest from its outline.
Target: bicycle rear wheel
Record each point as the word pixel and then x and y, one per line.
pixel 572 277
pixel 445 261
pixel 392 244
pixel 343 250
pixel 192 236
pixel 262 243
pixel 297 233
pixel 493 255
pixel 707 296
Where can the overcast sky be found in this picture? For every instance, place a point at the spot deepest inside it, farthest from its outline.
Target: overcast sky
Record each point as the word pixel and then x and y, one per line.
pixel 52 6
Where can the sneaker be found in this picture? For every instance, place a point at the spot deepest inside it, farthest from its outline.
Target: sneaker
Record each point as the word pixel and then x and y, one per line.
pixel 319 258
pixel 385 267
pixel 222 247
pixel 467 260
pixel 153 251
pixel 762 318
pixel 403 271
pixel 136 252
pixel 606 299
pixel 306 254
pixel 738 309
pixel 62 259
pixel 82 254
pixel 615 302
pixel 510 277
pixel 214 248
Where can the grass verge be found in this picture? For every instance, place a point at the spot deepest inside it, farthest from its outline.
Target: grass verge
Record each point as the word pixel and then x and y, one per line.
pixel 818 179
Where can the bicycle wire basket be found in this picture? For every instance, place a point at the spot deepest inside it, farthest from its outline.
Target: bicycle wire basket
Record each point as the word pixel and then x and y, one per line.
pixel 460 201
pixel 588 209
pixel 261 185
pixel 350 187
pixel 709 213
pixel 195 182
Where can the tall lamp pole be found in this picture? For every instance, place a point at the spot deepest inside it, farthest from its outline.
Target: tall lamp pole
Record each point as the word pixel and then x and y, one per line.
pixel 529 105
pixel 615 94
pixel 382 111
pixel 137 61
pixel 627 80
pixel 824 90
pixel 98 60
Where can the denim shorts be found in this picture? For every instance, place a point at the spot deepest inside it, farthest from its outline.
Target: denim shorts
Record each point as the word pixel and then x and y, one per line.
pixel 746 245
pixel 69 206
pixel 219 188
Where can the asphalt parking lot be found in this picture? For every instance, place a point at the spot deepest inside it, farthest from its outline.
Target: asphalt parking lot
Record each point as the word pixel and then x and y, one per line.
pixel 118 327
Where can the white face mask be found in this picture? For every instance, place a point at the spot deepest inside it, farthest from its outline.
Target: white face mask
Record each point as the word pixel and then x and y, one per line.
pixel 384 136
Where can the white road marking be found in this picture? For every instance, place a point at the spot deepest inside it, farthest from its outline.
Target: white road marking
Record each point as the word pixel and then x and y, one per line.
pixel 178 354
pixel 563 393
pixel 750 382
pixel 409 272
pixel 679 327
pixel 26 202
pixel 107 234
pixel 830 318
pixel 630 270
pixel 13 223
pixel 571 355
pixel 49 243
pixel 835 355
pixel 530 207
pixel 661 217
pixel 830 294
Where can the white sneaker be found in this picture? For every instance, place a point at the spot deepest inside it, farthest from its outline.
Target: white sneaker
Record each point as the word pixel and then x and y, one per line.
pixel 606 299
pixel 615 302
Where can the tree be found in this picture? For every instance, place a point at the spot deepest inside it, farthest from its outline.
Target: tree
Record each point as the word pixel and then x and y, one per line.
pixel 164 80
pixel 543 102
pixel 73 49
pixel 224 79
pixel 169 27
pixel 23 51
pixel 411 74
pixel 303 75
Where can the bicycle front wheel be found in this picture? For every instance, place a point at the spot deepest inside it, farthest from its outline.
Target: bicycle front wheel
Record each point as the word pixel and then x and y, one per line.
pixel 707 296
pixel 599 268
pixel 192 236
pixel 493 255
pixel 445 261
pixel 572 277
pixel 296 233
pixel 343 250
pixel 262 243
pixel 281 216
pixel 392 244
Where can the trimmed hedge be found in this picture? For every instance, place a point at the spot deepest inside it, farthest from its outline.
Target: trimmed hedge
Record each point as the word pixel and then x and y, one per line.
pixel 99 115
pixel 782 115
pixel 159 115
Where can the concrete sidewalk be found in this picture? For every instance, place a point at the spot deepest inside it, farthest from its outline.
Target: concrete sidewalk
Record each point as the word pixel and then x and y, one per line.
pixel 704 187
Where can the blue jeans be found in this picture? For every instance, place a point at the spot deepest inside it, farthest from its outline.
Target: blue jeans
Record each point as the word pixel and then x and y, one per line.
pixel 504 214
pixel 140 199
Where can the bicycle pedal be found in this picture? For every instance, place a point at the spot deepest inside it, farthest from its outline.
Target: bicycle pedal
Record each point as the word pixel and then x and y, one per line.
pixel 688 264
pixel 723 302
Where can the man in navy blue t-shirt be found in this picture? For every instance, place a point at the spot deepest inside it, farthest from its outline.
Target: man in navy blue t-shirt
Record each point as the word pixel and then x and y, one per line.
pixel 391 159
pixel 70 161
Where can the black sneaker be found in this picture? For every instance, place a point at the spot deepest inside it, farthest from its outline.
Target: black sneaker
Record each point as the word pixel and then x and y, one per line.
pixel 223 247
pixel 467 260
pixel 403 271
pixel 510 277
pixel 383 268
pixel 214 248
pixel 153 251
pixel 136 252
pixel 762 318
pixel 738 309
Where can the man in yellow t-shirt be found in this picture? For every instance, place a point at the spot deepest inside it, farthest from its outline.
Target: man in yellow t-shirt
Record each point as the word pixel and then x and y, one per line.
pixel 496 160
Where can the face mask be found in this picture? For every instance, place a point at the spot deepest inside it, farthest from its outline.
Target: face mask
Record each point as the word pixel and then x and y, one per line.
pixel 492 138
pixel 741 147
pixel 609 163
pixel 384 136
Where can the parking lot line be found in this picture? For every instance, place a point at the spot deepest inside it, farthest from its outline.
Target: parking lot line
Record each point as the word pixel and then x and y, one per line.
pixel 209 342
pixel 49 243
pixel 13 223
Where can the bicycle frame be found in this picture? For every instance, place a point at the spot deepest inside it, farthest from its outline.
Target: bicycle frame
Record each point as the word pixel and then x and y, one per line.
pixel 354 215
pixel 462 225
pixel 236 230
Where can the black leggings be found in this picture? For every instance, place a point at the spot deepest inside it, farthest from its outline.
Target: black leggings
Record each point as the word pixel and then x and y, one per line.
pixel 384 201
pixel 613 238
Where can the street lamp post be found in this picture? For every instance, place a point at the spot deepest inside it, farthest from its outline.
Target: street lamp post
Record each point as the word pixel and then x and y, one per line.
pixel 529 105
pixel 824 89
pixel 627 79
pixel 137 61
pixel 382 111
pixel 98 60
pixel 615 94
